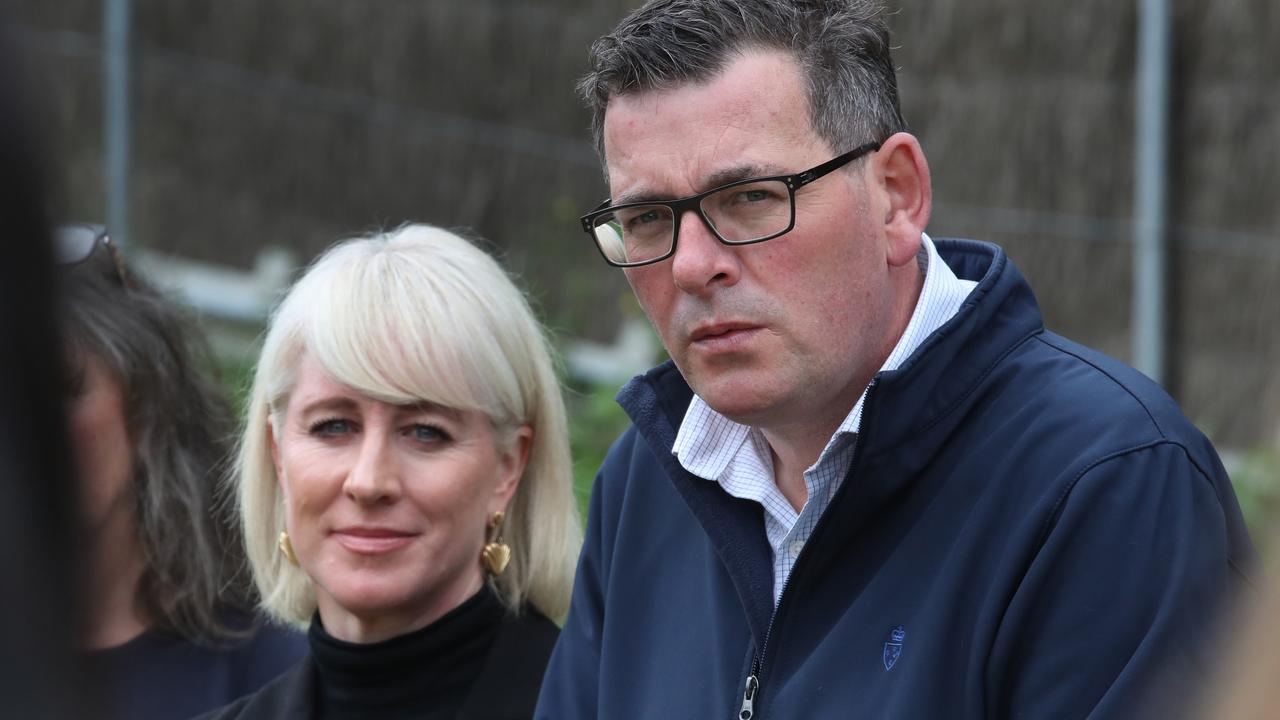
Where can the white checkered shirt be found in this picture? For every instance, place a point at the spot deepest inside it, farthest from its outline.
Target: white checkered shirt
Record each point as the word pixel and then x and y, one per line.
pixel 737 457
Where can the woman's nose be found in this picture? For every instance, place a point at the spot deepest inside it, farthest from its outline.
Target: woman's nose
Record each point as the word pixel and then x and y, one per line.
pixel 373 478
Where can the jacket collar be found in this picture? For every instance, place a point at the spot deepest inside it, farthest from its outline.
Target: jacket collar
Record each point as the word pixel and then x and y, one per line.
pixel 920 402
pixel 909 414
pixel 929 386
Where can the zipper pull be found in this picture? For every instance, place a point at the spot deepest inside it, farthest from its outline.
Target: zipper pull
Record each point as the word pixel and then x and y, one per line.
pixel 748 698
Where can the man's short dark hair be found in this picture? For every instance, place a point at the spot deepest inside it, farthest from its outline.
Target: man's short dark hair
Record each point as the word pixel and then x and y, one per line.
pixel 841 46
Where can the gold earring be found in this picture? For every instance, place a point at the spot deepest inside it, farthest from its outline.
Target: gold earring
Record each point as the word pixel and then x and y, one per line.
pixel 286 548
pixel 496 554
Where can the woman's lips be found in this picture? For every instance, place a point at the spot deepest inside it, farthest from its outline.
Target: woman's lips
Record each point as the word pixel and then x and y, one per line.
pixel 372 541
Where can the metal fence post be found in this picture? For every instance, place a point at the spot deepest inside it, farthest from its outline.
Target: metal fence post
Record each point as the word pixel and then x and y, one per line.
pixel 117 31
pixel 1150 256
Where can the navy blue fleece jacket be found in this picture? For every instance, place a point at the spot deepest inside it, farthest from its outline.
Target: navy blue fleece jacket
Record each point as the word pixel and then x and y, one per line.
pixel 1029 529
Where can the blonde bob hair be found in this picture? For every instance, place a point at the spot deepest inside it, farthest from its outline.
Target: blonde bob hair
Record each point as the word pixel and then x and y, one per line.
pixel 417 315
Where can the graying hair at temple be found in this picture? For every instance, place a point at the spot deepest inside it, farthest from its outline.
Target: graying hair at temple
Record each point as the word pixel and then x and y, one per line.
pixel 841 46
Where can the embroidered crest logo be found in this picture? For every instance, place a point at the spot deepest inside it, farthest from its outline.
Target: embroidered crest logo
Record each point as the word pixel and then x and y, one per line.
pixel 893 648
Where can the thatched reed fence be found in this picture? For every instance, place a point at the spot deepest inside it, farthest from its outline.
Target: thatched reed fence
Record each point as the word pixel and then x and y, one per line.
pixel 296 122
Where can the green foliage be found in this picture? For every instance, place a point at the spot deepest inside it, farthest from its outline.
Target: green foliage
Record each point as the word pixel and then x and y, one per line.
pixel 1256 477
pixel 236 376
pixel 595 421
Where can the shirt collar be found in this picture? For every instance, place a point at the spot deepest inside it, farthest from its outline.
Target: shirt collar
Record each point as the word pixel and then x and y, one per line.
pixel 707 441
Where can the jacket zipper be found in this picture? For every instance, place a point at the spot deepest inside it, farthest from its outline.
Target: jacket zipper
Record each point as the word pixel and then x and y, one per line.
pixel 752 686
pixel 753 680
pixel 748 698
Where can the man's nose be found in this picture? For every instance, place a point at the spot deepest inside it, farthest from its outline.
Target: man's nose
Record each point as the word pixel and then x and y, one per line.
pixel 701 262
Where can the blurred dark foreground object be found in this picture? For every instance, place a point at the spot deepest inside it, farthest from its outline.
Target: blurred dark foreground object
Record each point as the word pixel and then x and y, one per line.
pixel 38 675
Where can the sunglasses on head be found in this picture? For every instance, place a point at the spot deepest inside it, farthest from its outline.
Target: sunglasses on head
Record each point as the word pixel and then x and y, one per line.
pixel 76 243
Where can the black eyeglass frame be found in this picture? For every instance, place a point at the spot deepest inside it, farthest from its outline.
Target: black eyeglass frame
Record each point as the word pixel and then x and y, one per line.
pixel 694 202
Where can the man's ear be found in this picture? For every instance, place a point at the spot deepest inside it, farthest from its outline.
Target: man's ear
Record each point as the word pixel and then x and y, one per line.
pixel 511 465
pixel 901 173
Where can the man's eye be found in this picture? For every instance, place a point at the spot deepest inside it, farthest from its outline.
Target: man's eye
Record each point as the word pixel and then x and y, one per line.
pixel 331 427
pixel 645 218
pixel 754 195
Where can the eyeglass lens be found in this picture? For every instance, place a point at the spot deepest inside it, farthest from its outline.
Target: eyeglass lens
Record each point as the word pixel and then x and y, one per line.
pixel 738 214
pixel 74 243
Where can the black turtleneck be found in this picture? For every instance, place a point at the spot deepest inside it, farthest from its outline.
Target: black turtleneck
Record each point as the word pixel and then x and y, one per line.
pixel 425 674
pixel 478 662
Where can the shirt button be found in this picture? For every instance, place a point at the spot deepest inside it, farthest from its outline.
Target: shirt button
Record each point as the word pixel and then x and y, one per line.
pixel 794 548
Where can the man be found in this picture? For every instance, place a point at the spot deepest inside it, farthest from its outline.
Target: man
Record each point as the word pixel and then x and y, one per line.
pixel 871 484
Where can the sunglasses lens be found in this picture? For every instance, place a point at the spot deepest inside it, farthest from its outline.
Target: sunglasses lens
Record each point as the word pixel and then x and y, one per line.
pixel 73 243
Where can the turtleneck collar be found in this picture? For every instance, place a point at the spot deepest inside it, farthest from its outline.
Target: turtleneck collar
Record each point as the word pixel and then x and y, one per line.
pixel 422 674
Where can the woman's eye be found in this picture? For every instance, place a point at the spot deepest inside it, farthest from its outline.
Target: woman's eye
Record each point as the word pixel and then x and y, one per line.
pixel 428 434
pixel 330 428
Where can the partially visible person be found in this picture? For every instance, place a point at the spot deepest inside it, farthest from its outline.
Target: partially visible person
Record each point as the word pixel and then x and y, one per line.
pixel 38 562
pixel 404 485
pixel 1246 679
pixel 170 630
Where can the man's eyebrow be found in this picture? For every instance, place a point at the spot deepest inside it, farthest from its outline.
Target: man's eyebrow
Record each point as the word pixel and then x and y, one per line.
pixel 636 196
pixel 714 180
pixel 736 173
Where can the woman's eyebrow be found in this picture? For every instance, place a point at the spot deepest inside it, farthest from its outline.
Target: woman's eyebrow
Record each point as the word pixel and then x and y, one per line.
pixel 426 406
pixel 336 404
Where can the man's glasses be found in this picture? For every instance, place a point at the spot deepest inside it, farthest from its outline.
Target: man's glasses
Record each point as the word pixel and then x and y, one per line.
pixel 739 213
pixel 73 244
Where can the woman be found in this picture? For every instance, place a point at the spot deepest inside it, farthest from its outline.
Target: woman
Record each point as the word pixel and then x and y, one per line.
pixel 168 632
pixel 404 486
